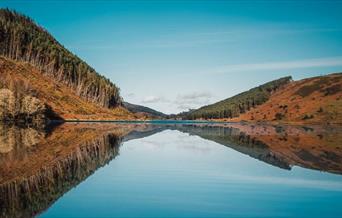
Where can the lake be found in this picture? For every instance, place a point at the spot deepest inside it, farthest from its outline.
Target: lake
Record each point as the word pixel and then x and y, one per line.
pixel 171 169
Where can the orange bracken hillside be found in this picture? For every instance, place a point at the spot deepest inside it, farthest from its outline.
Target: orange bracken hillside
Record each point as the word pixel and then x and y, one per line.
pixel 24 78
pixel 313 100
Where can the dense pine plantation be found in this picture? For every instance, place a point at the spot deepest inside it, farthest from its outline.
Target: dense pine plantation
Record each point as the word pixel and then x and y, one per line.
pixel 23 40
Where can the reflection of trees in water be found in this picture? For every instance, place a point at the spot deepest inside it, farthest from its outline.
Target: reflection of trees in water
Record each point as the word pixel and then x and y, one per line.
pixel 12 137
pixel 313 147
pixel 39 166
pixel 27 194
pixel 238 140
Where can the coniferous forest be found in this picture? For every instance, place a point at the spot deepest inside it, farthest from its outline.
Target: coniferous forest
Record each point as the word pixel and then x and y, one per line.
pixel 23 40
pixel 238 104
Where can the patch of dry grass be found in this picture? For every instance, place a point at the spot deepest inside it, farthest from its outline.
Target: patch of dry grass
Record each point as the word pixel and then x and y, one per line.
pixel 59 97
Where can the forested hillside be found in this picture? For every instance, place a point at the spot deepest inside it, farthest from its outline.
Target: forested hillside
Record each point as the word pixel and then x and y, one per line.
pixel 21 39
pixel 238 104
pixel 26 94
pixel 312 100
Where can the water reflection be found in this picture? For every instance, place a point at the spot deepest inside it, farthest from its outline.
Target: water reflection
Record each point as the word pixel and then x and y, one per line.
pixel 39 165
pixel 314 147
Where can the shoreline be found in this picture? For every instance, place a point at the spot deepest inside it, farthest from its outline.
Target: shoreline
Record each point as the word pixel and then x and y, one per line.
pixel 166 121
pixel 197 121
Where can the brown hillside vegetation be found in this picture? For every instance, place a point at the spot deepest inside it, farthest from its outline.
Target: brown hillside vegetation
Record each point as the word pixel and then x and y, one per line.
pixel 312 100
pixel 24 79
pixel 21 39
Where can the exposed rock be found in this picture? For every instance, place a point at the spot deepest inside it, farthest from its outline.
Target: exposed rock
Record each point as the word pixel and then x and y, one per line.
pixel 7 104
pixel 32 105
pixel 17 108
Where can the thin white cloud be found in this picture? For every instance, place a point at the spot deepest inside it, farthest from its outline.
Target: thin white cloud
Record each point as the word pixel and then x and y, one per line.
pixel 284 65
pixel 153 99
pixel 131 94
pixel 193 100
pixel 182 101
pixel 195 95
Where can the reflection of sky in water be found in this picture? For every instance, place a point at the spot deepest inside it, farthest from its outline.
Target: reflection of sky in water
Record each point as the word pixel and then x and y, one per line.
pixel 174 174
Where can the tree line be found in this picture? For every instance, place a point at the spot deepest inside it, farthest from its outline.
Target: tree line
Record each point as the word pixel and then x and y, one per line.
pixel 238 104
pixel 22 39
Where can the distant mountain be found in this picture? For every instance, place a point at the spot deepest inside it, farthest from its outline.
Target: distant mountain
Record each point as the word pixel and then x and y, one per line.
pixel 238 104
pixel 38 75
pixel 312 100
pixel 142 110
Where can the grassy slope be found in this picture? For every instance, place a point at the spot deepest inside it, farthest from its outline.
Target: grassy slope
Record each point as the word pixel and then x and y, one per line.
pixel 62 99
pixel 233 106
pixel 312 100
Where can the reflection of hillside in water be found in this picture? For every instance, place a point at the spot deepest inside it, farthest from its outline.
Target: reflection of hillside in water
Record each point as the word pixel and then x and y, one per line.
pixel 314 147
pixel 38 167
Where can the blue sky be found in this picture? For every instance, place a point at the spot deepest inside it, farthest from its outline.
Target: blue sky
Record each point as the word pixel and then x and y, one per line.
pixel 172 56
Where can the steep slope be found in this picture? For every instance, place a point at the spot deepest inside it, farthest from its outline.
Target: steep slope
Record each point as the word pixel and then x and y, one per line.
pixel 238 104
pixel 312 100
pixel 23 40
pixel 143 111
pixel 62 102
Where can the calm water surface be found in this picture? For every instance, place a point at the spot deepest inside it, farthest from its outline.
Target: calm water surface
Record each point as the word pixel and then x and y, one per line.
pixel 171 170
